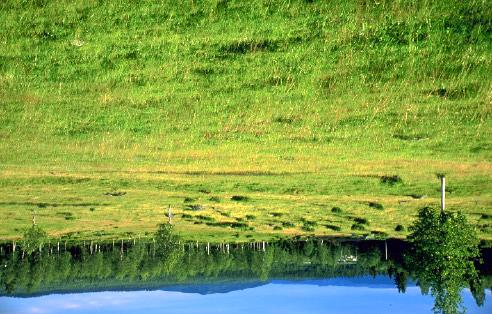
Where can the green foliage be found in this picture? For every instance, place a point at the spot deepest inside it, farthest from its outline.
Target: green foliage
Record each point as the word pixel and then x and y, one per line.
pixel 391 180
pixel 336 210
pixel 399 228
pixel 444 248
pixel 239 198
pixel 376 205
pixel 166 240
pixel 34 239
pixel 358 227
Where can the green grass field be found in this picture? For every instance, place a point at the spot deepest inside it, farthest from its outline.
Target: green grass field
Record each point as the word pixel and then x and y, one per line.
pixel 296 106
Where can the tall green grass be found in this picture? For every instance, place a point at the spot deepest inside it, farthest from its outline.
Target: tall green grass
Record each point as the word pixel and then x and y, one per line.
pixel 248 87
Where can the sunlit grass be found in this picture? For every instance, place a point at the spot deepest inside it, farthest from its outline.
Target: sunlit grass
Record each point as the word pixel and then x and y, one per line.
pixel 298 105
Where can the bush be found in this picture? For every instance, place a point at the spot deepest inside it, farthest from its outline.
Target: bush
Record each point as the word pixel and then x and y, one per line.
pixel 376 205
pixel 205 218
pixel 309 225
pixel 277 228
pixel 34 239
pixel 391 180
pixel 194 207
pixel 400 228
pixel 188 200
pixel 334 228
pixel 288 224
pixel 357 226
pixel 336 210
pixel 250 217
pixel 240 198
pixel 362 221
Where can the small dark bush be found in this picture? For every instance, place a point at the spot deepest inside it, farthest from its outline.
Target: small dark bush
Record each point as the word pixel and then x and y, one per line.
pixel 240 219
pixel 309 225
pixel 277 228
pixel 376 205
pixel 194 207
pixel 225 214
pixel 277 214
pixel 187 216
pixel 361 221
pixel 188 200
pixel 287 224
pixel 400 228
pixel 239 198
pixel 334 228
pixel 307 228
pixel 486 216
pixel 250 217
pixel 336 210
pixel 357 226
pixel 204 191
pixel 391 180
pixel 214 199
pixel 205 218
pixel 381 234
pixel 92 209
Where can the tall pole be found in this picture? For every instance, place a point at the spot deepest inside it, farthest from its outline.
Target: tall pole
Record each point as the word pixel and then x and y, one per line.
pixel 443 193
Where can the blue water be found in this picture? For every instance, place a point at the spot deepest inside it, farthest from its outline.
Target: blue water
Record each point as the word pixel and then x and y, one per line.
pixel 339 295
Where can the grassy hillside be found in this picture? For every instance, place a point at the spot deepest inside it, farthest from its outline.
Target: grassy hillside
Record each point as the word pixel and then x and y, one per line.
pixel 300 106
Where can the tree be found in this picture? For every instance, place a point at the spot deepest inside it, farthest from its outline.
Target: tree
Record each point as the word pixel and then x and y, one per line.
pixel 34 239
pixel 443 248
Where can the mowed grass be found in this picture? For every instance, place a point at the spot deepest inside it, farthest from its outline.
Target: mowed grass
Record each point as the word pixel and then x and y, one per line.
pixel 299 106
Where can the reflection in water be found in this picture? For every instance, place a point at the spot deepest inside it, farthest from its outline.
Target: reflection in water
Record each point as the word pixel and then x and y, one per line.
pixel 202 268
pixel 442 255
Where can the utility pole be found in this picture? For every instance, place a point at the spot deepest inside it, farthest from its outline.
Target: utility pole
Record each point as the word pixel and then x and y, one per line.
pixel 443 193
pixel 169 215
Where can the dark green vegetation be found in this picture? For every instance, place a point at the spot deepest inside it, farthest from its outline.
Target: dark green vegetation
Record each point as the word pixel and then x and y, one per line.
pixel 34 239
pixel 94 266
pixel 111 111
pixel 444 249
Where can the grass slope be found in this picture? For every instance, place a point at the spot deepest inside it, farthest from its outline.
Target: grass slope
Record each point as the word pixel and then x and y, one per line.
pixel 299 105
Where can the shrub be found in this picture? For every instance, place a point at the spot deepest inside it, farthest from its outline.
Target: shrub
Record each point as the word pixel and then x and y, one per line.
pixel 309 225
pixel 336 210
pixel 277 228
pixel 376 205
pixel 188 200
pixel 362 221
pixel 240 198
pixel 357 226
pixel 250 217
pixel 334 228
pixel 391 180
pixel 205 218
pixel 399 228
pixel 214 199
pixel 194 207
pixel 287 224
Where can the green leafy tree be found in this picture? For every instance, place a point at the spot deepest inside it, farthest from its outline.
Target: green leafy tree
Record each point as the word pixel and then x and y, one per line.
pixel 34 239
pixel 442 254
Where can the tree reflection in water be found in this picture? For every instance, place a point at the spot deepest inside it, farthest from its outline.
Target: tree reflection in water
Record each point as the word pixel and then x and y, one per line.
pixel 431 259
pixel 442 255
